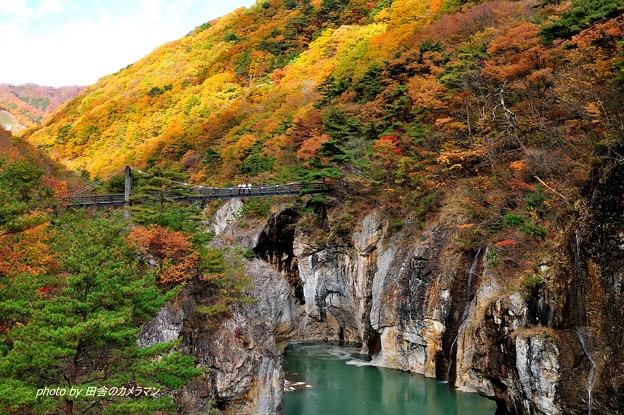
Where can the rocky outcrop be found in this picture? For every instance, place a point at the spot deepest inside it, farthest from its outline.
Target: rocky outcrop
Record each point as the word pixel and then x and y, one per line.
pixel 537 364
pixel 411 302
pixel 241 351
pixel 392 296
pixel 243 356
pixel 165 327
pixel 231 230
pixel 226 215
pixel 593 315
pixel 338 284
pixel 275 246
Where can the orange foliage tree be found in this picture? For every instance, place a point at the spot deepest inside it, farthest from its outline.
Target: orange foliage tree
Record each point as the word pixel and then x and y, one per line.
pixel 517 54
pixel 310 147
pixel 25 252
pixel 170 251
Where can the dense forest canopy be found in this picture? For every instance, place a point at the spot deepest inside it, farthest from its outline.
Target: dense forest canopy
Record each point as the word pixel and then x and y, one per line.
pixel 403 93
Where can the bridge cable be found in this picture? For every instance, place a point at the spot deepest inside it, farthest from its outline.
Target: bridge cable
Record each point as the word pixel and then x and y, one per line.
pixel 95 183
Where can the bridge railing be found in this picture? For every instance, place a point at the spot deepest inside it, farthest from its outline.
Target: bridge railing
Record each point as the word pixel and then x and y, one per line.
pixel 263 190
pixel 205 193
pixel 109 200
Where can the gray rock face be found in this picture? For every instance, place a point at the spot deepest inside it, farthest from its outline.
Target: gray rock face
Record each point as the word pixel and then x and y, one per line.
pixel 378 316
pixel 227 214
pixel 413 299
pixel 244 355
pixel 378 291
pixel 165 327
pixel 337 284
pixel 537 362
pixel 330 297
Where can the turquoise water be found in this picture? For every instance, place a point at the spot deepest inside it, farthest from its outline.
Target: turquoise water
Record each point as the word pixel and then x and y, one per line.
pixel 330 379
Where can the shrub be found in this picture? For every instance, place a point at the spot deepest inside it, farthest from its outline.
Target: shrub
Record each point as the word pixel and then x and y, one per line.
pixel 504 243
pixel 533 229
pixel 492 258
pixel 535 201
pixel 249 253
pixel 172 252
pixel 513 220
pixel 257 208
pixel 533 281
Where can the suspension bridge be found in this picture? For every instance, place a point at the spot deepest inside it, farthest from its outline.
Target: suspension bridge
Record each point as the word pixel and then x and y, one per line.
pixel 188 193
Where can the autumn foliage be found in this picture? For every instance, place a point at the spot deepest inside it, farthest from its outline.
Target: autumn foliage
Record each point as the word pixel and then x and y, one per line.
pixel 169 251
pixel 26 201
pixel 30 103
pixel 301 90
pixel 25 252
pixel 490 113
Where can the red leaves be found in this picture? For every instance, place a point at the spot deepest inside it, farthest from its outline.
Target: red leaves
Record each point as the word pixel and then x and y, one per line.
pixel 389 138
pixel 44 292
pixel 310 147
pixel 518 54
pixel 386 150
pixel 392 139
pixel 505 243
pixel 170 251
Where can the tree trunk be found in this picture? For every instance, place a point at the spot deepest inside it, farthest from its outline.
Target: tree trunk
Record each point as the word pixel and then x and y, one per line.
pixel 73 375
pixel 69 407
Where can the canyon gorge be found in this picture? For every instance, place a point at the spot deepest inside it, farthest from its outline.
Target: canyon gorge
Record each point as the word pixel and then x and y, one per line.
pixel 419 302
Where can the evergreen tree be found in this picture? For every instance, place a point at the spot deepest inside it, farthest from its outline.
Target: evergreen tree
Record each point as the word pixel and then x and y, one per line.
pixel 21 193
pixel 153 203
pixel 579 16
pixel 85 338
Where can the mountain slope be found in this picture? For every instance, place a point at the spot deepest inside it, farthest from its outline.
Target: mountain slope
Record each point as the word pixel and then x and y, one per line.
pixel 195 90
pixel 29 104
pixel 257 86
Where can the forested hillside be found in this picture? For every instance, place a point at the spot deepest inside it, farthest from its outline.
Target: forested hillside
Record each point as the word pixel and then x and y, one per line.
pixel 30 104
pixel 426 91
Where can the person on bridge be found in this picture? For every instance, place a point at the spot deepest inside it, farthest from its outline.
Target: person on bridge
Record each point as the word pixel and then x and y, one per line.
pixel 240 188
pixel 248 188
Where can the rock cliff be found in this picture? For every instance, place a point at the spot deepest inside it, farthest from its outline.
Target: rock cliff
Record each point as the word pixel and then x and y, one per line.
pixel 545 342
pixel 241 352
pixel 425 302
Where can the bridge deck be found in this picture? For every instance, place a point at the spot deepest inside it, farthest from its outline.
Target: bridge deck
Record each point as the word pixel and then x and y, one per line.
pixel 204 193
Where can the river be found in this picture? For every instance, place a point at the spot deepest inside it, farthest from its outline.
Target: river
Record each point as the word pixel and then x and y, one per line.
pixel 328 379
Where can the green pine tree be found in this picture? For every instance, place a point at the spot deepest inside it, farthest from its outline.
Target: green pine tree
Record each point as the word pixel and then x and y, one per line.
pixel 580 15
pixel 24 204
pixel 86 335
pixel 153 201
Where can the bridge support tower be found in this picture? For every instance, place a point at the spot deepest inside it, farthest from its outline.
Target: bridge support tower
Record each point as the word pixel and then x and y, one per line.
pixel 127 187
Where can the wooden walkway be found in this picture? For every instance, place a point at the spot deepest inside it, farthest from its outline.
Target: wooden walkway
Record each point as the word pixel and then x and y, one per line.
pixel 199 193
